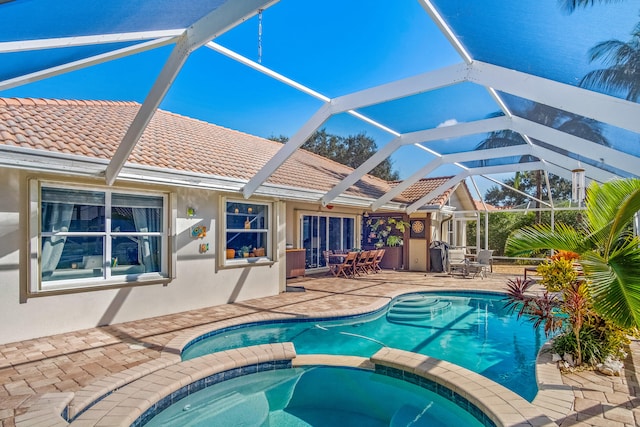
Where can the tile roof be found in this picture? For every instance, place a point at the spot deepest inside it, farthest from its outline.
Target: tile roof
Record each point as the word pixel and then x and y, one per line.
pixel 481 207
pixel 171 141
pixel 424 187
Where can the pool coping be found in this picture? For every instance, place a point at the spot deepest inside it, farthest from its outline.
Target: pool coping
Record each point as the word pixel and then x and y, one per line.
pixel 554 398
pixel 139 400
pixel 502 406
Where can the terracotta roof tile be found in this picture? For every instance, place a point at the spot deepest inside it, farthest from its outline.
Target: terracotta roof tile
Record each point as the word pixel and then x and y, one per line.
pixel 424 187
pixel 95 128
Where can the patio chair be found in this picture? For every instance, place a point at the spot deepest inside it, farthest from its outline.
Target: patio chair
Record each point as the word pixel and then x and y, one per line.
pixel 347 268
pixel 331 261
pixel 458 263
pixel 376 260
pixel 485 259
pixel 368 265
pixel 361 263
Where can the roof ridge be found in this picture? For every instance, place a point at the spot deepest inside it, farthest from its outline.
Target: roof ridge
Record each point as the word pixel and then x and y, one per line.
pixel 61 102
pixel 423 179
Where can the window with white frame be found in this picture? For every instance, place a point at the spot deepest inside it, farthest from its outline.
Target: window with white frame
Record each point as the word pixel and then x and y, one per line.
pixel 93 236
pixel 247 230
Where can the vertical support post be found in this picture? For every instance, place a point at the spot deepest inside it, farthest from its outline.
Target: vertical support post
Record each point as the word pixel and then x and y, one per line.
pixel 427 227
pixel 486 230
pixel 478 234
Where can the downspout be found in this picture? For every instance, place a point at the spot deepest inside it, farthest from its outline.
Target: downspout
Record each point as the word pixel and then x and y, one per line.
pixel 442 224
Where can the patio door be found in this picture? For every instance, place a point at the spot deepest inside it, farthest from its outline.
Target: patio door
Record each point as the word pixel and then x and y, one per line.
pixel 323 232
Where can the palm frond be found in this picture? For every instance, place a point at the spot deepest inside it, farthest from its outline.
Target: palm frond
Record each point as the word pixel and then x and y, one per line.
pixel 612 81
pixel 614 283
pixel 529 239
pixel 571 5
pixel 611 206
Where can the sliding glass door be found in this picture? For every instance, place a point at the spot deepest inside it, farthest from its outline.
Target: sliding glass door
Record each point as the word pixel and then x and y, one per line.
pixel 322 232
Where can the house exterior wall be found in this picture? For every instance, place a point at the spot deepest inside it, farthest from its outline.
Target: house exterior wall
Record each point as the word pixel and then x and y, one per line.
pixel 199 279
pixel 419 248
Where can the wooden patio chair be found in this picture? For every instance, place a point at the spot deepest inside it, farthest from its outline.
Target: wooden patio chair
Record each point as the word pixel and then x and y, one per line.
pixel 347 268
pixel 329 261
pixel 361 263
pixel 370 260
pixel 377 259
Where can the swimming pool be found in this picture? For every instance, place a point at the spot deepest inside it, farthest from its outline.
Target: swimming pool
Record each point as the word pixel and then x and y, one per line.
pixel 470 329
pixel 317 396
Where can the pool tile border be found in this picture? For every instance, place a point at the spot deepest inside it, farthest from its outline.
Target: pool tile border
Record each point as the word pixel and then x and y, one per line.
pixel 138 401
pixel 203 383
pixel 500 406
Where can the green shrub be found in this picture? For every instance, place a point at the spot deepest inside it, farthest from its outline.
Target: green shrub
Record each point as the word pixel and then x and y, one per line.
pixel 557 274
pixel 597 342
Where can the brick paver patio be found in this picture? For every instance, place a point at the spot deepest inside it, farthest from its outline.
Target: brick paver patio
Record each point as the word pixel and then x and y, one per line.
pixel 69 362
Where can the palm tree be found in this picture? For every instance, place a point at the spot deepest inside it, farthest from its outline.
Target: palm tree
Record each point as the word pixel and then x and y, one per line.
pixel 571 5
pixel 623 74
pixel 609 253
pixel 564 121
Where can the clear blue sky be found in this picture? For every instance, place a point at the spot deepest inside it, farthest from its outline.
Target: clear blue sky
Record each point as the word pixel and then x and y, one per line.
pixel 336 47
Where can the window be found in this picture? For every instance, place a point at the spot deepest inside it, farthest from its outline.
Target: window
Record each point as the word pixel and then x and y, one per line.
pixel 247 229
pixel 92 237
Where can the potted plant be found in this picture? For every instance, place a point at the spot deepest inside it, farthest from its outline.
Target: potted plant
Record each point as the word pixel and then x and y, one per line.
pixel 244 250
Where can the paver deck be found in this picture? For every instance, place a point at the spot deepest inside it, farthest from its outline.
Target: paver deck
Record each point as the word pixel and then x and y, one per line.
pixel 80 360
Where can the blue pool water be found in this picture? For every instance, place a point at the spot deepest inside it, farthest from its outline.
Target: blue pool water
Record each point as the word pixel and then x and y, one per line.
pixel 315 396
pixel 473 330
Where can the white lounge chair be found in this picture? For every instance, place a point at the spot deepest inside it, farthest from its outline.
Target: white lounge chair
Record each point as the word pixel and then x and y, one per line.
pixel 483 264
pixel 458 263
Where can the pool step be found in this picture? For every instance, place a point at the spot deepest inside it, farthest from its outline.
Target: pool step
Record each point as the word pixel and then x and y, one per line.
pixel 415 308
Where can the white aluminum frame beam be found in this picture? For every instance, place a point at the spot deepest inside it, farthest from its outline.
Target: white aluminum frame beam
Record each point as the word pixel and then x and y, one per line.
pixel 206 28
pixel 515 190
pixel 64 42
pixel 518 150
pixel 587 103
pixel 287 150
pixel 83 63
pixel 446 30
pixel 264 70
pixel 463 175
pixel 576 145
pixel 402 88
pixel 457 130
pixel 494 77
pixel 560 160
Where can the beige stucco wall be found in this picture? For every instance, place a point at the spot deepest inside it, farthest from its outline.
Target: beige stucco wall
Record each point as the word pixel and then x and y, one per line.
pixel 199 280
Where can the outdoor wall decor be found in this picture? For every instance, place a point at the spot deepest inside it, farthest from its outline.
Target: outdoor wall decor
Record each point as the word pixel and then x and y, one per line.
pixel 385 231
pixel 417 229
pixel 198 231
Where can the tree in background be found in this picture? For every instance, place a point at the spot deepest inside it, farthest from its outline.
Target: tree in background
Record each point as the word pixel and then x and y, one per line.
pixel 622 76
pixel 503 223
pixel 351 151
pixel 504 197
pixel 571 5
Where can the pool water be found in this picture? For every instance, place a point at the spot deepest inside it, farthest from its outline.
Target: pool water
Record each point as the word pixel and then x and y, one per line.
pixel 314 396
pixel 472 330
